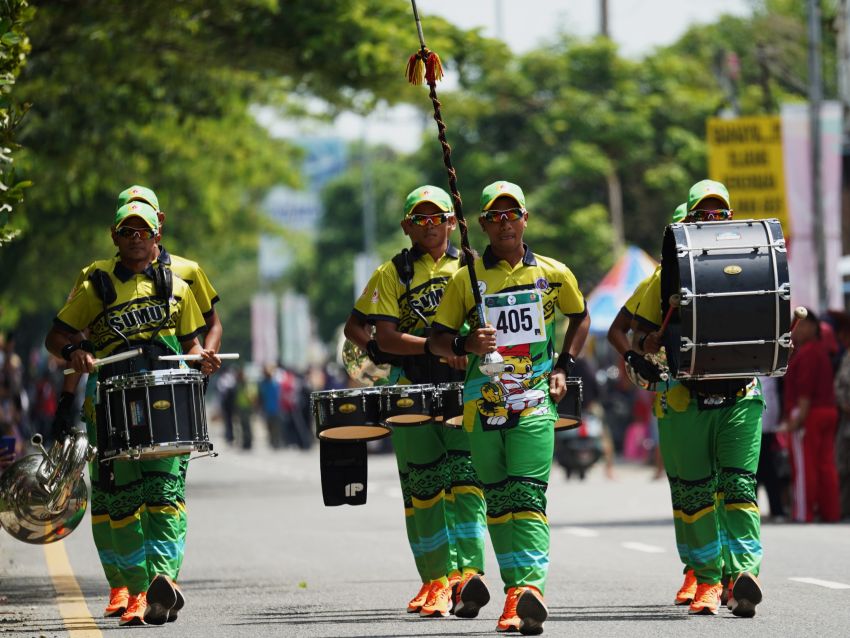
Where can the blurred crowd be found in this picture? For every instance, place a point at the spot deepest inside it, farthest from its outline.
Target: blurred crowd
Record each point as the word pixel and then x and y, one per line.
pixel 805 458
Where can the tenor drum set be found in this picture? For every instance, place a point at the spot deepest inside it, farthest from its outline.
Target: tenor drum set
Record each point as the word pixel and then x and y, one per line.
pixel 365 414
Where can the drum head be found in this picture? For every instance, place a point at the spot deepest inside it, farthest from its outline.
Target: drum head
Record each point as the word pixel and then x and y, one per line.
pixel 567 422
pixel 408 419
pixel 355 433
pixel 454 422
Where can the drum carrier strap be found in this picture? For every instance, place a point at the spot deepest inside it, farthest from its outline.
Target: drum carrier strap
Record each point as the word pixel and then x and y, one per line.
pixel 421 368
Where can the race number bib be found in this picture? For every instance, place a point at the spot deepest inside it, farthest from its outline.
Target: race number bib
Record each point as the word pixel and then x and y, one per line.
pixel 516 316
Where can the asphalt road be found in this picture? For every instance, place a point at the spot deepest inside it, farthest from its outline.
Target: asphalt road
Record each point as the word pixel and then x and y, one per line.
pixel 265 558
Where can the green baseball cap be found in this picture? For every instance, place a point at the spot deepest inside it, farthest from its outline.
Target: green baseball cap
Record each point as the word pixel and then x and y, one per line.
pixel 680 213
pixel 428 193
pixel 138 193
pixel 705 189
pixel 499 189
pixel 137 209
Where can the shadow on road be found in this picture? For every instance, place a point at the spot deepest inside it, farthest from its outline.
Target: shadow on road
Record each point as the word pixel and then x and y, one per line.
pixel 650 522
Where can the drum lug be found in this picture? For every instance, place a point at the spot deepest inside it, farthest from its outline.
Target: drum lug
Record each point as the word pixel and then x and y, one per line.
pixel 785 340
pixel 685 296
pixel 686 344
pixel 785 291
pixel 779 245
pixel 779 372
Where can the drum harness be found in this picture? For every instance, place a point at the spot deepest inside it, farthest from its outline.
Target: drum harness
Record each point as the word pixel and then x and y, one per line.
pixel 104 288
pixel 420 368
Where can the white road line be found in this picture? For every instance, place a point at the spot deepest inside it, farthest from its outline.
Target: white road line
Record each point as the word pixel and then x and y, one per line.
pixel 830 584
pixel 642 547
pixel 581 532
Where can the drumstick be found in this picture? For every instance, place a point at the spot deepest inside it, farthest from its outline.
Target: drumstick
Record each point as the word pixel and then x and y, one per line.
pixel 799 313
pixel 674 303
pixel 197 357
pixel 110 359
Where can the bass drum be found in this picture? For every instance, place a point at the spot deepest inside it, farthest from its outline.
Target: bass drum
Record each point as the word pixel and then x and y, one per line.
pixel 735 299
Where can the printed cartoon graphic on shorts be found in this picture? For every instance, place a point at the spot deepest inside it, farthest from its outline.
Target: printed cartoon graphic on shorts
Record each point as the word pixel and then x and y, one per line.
pixel 514 394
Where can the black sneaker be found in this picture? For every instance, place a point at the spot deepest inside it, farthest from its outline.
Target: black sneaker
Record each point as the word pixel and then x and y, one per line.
pixel 161 599
pixel 472 597
pixel 181 601
pixel 746 594
pixel 532 612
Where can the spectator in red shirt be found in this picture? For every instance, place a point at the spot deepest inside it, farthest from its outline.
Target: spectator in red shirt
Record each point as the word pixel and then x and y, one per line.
pixel 811 415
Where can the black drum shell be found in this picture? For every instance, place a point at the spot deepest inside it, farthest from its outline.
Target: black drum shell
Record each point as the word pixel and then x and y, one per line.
pixel 569 407
pixel 348 415
pixel 153 414
pixel 734 257
pixel 405 405
pixel 450 411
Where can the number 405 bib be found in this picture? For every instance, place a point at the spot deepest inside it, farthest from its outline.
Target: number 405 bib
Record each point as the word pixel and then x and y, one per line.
pixel 517 317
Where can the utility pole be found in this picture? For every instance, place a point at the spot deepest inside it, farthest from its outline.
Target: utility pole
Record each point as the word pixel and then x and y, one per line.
pixel 815 99
pixel 603 19
pixel 843 20
pixel 500 23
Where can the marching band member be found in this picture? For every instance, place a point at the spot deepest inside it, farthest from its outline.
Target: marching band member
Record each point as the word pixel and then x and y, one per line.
pixel 712 432
pixel 510 418
pixel 134 303
pixel 444 507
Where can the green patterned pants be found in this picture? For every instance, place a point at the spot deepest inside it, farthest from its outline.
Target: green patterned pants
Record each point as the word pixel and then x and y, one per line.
pixel 139 523
pixel 514 467
pixel 443 501
pixel 711 457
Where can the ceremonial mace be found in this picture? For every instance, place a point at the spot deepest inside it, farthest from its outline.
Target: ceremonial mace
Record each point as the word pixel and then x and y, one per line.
pixel 425 64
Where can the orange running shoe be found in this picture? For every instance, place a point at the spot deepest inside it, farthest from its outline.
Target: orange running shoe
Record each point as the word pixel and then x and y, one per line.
pixel 509 621
pixel 531 610
pixel 706 599
pixel 135 614
pixel 419 599
pixel 471 595
pixel 745 595
pixel 454 585
pixel 438 602
pixel 117 602
pixel 688 589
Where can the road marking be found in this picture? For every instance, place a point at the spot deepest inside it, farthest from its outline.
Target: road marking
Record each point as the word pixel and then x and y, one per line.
pixel 642 547
pixel 830 584
pixel 69 598
pixel 581 532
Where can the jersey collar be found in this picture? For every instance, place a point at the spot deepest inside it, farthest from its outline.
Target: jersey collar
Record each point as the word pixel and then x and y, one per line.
pixel 491 261
pixel 164 256
pixel 124 274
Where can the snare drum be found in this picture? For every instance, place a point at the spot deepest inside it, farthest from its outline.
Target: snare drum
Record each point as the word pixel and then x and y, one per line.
pixel 153 414
pixel 569 408
pixel 408 404
pixel 349 414
pixel 735 310
pixel 450 404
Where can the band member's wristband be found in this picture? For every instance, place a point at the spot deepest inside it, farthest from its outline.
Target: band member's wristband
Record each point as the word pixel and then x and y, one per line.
pixel 459 346
pixel 68 350
pixel 427 348
pixel 565 362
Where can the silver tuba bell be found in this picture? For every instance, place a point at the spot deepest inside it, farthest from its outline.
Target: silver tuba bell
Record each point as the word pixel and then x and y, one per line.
pixel 43 496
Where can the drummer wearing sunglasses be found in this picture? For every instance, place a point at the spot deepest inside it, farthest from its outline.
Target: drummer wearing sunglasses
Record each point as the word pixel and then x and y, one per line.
pixel 711 440
pixel 445 523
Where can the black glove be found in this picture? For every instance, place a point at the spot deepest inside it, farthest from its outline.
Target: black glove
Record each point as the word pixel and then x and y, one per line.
pixel 63 420
pixel 643 366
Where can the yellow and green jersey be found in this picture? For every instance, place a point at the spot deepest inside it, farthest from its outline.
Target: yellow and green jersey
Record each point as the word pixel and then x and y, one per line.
pixel 136 312
pixel 363 305
pixel 633 302
pixel 188 270
pixel 390 300
pixel 520 302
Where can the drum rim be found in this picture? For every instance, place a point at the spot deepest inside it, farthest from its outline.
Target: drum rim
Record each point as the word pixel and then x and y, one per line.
pixel 172 376
pixel 380 426
pixel 407 388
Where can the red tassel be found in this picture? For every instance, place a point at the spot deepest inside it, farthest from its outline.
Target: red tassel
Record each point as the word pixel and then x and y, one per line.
pixel 415 71
pixel 433 68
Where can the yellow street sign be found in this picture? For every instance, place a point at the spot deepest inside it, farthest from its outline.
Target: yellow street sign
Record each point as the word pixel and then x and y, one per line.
pixel 745 154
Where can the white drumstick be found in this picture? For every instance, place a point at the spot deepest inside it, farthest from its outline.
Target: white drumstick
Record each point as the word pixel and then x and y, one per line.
pixel 800 313
pixel 121 356
pixel 197 357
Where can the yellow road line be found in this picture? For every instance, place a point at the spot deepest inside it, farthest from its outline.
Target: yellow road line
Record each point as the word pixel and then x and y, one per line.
pixel 69 598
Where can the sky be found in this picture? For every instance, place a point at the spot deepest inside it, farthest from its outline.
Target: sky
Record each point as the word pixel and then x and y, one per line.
pixel 637 26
